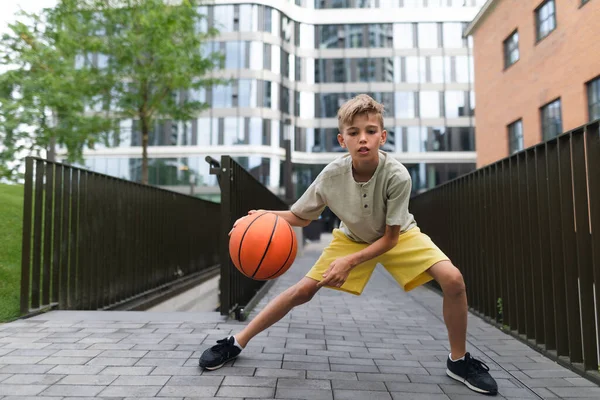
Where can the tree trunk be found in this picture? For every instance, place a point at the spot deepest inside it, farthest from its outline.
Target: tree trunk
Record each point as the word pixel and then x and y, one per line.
pixel 144 123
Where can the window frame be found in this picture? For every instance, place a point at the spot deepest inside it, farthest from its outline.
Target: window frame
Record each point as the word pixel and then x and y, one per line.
pixel 589 84
pixel 512 139
pixel 506 53
pixel 538 22
pixel 542 125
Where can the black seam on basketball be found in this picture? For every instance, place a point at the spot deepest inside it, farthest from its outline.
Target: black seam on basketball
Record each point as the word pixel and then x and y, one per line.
pixel 268 245
pixel 242 241
pixel 289 254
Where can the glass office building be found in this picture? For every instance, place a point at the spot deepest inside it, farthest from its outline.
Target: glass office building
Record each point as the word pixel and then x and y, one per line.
pixel 293 63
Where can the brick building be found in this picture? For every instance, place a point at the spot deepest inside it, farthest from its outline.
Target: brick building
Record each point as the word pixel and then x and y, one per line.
pixel 537 72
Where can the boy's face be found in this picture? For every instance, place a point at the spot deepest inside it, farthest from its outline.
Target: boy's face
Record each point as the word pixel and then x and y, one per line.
pixel 363 137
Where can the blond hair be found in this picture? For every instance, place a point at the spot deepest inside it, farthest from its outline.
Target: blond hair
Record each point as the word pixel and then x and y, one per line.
pixel 361 104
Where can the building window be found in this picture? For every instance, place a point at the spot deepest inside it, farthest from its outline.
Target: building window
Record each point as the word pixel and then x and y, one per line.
pixel 551 120
pixel 515 136
pixel 594 98
pixel 511 49
pixel 545 19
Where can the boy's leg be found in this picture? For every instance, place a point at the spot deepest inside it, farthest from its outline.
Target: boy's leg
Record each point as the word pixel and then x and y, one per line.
pixel 455 305
pixel 415 261
pixel 229 348
pixel 277 308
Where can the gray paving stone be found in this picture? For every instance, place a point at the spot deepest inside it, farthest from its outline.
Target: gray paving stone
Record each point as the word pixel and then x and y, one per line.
pixel 32 379
pixel 65 360
pixel 302 358
pixel 303 394
pixel 249 381
pixel 175 370
pixel 250 362
pixel 280 373
pixel 113 361
pixel 351 361
pixel 131 391
pixel 360 395
pixel 21 390
pixel 413 387
pixel 126 370
pixel 32 398
pixel 246 391
pixel 382 377
pixel 163 362
pixel 84 380
pixel 72 390
pixel 354 368
pixel 136 380
pixel 331 375
pixel 357 385
pixel 25 369
pixel 419 396
pixel 304 383
pixel 76 370
pixel 579 391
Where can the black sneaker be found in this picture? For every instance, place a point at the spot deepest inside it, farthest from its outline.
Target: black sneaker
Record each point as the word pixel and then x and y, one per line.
pixel 473 373
pixel 215 357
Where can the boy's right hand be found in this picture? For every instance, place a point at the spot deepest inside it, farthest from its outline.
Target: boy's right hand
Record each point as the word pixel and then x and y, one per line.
pixel 239 219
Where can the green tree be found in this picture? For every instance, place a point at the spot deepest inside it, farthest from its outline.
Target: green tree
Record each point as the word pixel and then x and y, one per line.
pixel 43 95
pixel 153 51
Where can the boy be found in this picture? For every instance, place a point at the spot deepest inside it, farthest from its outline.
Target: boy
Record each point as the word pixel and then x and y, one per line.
pixel 369 191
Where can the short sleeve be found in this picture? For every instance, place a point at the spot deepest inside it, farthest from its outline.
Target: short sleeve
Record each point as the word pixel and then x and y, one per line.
pixel 311 204
pixel 398 196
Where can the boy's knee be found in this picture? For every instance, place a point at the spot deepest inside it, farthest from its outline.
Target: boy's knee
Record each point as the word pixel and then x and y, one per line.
pixel 303 291
pixel 453 283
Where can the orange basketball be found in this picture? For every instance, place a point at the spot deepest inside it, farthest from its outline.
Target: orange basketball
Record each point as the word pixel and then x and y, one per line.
pixel 263 246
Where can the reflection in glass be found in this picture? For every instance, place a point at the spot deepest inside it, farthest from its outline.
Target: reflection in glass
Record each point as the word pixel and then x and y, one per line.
pixel 223 18
pixel 429 104
pixel 403 36
pixel 405 104
pixel 428 35
pixel 452 35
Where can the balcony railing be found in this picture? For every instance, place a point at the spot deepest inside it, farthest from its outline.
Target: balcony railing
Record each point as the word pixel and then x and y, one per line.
pixel 92 241
pixel 525 232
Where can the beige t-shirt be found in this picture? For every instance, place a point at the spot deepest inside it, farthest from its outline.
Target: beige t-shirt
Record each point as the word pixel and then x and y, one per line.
pixel 365 208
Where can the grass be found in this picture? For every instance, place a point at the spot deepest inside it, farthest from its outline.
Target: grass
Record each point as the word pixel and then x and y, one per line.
pixel 11 215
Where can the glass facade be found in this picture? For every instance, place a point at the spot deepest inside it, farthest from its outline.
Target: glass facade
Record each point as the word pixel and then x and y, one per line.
pixel 292 76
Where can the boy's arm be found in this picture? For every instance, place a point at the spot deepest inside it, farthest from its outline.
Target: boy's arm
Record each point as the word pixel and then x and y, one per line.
pixel 289 216
pixel 338 271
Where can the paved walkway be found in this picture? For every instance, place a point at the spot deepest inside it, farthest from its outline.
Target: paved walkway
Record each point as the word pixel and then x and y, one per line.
pixel 385 344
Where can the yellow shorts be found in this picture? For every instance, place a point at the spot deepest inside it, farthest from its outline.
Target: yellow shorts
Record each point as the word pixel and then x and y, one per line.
pixel 407 262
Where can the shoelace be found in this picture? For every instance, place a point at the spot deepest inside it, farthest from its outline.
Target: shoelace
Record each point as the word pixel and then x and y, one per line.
pixel 222 343
pixel 475 366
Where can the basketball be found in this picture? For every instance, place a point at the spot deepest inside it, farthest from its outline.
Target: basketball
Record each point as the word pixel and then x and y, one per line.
pixel 263 246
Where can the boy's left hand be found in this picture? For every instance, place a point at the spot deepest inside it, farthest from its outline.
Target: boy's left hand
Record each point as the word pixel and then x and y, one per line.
pixel 337 273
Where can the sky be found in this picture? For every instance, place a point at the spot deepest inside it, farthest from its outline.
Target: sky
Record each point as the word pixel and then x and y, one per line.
pixel 8 8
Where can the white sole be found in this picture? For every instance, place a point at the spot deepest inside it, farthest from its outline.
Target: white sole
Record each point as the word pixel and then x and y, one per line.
pixel 219 366
pixel 473 388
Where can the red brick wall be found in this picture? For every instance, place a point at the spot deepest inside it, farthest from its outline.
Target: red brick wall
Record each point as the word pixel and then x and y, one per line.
pixel 557 66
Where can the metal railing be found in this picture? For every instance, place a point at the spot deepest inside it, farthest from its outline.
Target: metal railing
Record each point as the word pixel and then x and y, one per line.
pixel 525 232
pixel 92 241
pixel 240 193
